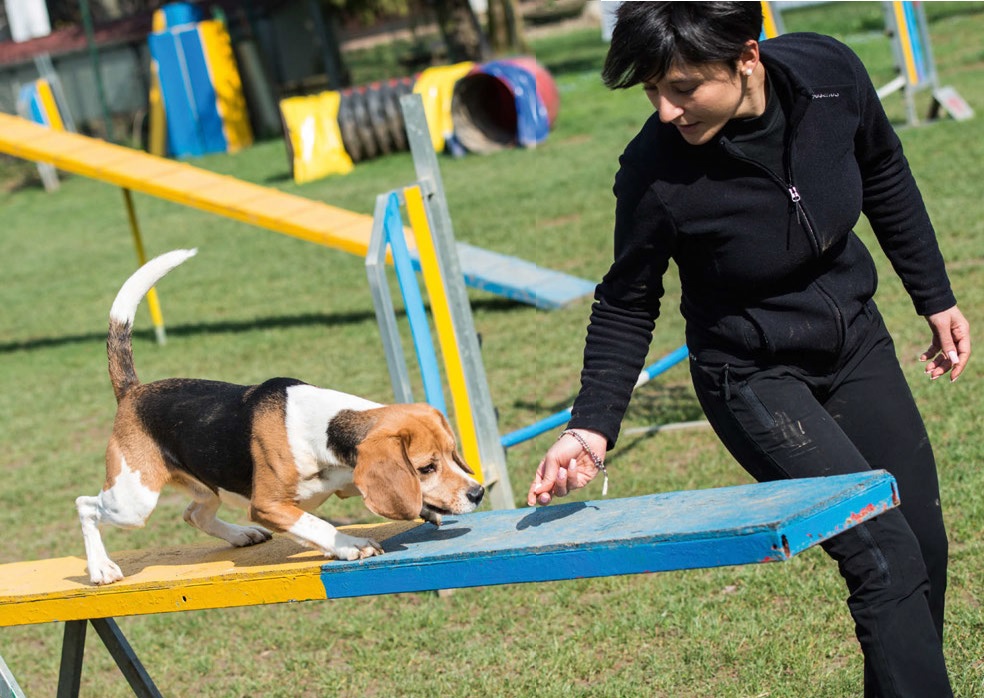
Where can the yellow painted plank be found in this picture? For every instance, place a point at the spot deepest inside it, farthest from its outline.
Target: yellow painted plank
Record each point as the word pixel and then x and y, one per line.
pixel 769 21
pixel 905 42
pixel 137 168
pixel 188 185
pixel 227 84
pixel 441 310
pixel 47 98
pixel 181 578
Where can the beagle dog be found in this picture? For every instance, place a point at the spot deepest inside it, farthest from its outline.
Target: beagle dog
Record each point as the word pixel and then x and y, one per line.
pixel 278 449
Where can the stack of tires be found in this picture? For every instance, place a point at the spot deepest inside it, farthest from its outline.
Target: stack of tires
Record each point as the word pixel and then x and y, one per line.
pixel 370 119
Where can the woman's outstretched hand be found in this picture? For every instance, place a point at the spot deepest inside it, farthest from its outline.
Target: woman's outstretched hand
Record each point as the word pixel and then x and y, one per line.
pixel 566 467
pixel 950 349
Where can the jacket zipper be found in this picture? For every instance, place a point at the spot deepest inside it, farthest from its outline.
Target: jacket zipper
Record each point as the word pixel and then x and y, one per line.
pixel 801 216
pixel 797 200
pixel 787 186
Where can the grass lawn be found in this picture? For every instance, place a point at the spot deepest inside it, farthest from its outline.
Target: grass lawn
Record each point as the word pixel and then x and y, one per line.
pixel 253 305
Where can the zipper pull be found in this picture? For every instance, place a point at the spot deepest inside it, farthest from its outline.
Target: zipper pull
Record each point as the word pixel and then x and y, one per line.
pixel 794 195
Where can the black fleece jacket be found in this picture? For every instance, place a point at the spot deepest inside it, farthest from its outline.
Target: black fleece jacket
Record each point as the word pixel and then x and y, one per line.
pixel 770 268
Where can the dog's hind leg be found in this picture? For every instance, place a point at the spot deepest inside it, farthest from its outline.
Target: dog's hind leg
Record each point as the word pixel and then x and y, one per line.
pixel 201 514
pixel 125 502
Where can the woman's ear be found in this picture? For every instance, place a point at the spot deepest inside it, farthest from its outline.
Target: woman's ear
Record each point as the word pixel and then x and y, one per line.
pixel 748 58
pixel 386 479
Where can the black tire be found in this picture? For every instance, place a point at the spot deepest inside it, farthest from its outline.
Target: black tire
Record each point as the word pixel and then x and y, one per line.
pixel 346 124
pixel 394 115
pixel 363 124
pixel 375 105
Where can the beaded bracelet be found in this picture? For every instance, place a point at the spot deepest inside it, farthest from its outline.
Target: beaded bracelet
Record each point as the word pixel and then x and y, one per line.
pixel 599 463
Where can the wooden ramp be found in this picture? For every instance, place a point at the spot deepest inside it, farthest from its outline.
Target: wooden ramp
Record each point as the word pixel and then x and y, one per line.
pixel 265 207
pixel 655 533
pixel 678 530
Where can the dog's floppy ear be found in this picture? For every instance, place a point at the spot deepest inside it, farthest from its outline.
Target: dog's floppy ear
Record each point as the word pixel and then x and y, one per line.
pixel 386 479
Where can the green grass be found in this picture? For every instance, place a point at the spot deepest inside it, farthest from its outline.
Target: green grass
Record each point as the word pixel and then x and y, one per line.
pixel 254 304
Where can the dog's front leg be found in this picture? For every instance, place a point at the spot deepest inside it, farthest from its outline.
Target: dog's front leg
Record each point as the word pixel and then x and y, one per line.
pixel 313 532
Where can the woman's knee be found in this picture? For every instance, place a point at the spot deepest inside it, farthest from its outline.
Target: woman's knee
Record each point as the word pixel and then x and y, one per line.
pixel 881 560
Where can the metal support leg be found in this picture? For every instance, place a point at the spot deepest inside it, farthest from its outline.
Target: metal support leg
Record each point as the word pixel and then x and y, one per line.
pixel 73 646
pixel 153 302
pixel 126 658
pixel 493 456
pixel 8 684
pixel 382 302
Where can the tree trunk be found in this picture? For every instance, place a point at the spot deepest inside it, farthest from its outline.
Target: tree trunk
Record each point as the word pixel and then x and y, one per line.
pixel 506 27
pixel 461 31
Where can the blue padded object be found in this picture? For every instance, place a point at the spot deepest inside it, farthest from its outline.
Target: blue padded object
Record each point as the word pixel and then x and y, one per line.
pixel 532 123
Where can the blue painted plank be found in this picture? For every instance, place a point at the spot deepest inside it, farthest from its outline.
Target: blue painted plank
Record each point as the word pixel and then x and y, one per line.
pixel 199 79
pixel 676 530
pixel 183 137
pixel 519 279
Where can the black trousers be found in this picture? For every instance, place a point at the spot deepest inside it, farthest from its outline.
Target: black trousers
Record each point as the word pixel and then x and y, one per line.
pixel 793 421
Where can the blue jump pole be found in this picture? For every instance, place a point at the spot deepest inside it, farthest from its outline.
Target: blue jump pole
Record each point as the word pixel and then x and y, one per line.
pixel 560 418
pixel 414 304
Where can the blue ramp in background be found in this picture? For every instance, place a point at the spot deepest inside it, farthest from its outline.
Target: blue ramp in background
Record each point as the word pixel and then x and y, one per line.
pixel 519 279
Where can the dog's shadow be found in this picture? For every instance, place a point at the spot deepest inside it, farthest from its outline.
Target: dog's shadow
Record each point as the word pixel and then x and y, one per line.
pixel 425 533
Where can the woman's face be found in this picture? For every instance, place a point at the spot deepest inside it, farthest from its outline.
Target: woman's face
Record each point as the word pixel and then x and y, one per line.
pixel 699 99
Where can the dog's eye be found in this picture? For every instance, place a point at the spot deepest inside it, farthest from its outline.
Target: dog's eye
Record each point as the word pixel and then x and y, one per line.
pixel 427 469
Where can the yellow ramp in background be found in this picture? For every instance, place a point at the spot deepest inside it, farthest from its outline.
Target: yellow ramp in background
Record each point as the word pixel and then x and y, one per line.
pixel 186 184
pixel 270 208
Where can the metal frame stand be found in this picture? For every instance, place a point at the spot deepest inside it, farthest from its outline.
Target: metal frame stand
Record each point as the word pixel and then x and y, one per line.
pixel 907 28
pixel 73 647
pixel 490 450
pixel 9 687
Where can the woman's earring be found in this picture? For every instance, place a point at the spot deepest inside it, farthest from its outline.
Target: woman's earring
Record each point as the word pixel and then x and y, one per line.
pixel 748 72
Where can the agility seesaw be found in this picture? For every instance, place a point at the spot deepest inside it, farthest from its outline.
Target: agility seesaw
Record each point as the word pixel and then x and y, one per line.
pixel 739 525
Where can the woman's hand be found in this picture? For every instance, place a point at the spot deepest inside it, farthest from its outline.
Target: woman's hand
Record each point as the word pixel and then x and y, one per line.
pixel 950 349
pixel 566 467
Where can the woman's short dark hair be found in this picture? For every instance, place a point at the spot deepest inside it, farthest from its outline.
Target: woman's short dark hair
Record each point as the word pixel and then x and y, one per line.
pixel 649 36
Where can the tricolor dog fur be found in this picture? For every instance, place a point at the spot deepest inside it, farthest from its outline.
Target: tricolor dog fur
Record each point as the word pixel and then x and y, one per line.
pixel 279 449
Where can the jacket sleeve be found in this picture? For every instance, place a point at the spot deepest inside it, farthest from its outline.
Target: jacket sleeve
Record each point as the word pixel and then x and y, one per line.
pixel 894 206
pixel 626 306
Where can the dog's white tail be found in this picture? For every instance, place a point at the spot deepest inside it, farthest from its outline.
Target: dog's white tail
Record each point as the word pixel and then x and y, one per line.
pixel 118 344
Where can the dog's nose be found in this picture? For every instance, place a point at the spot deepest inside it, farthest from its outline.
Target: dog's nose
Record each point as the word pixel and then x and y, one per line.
pixel 475 494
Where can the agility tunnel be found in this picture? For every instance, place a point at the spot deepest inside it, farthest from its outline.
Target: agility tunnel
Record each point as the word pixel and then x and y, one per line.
pixel 504 103
pixel 470 108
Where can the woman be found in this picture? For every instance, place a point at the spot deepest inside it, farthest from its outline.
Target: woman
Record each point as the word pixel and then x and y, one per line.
pixel 750 176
